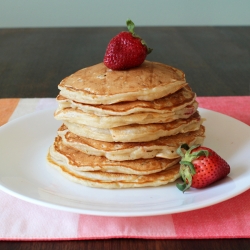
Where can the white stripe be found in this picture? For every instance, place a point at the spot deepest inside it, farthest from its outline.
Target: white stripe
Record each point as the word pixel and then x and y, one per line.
pixel 30 105
pixel 46 103
pixel 25 106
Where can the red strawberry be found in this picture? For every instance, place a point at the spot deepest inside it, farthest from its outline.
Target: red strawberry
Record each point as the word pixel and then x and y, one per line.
pixel 126 50
pixel 200 166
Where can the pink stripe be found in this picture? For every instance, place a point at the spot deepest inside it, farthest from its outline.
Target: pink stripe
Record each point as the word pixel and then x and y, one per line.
pixel 21 220
pixel 234 106
pixel 229 219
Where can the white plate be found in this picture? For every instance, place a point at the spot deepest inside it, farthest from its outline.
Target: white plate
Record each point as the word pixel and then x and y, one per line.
pixel 24 173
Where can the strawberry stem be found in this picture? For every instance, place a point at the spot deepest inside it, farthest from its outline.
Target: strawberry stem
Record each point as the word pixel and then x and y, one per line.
pixel 131 27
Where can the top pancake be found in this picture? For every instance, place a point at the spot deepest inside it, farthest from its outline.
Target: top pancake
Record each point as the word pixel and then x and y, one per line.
pixel 99 85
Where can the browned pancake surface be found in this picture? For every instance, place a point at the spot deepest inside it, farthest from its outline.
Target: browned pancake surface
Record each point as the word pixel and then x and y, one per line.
pixel 117 180
pixel 84 162
pixel 100 80
pixel 181 98
pixel 172 141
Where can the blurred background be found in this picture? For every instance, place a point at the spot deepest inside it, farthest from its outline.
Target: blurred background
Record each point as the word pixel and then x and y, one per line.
pixel 43 41
pixel 89 13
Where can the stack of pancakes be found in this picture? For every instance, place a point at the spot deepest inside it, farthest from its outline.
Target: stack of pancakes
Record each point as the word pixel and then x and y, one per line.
pixel 121 129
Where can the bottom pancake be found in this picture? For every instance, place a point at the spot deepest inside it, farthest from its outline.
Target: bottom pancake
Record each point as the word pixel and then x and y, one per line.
pixel 117 180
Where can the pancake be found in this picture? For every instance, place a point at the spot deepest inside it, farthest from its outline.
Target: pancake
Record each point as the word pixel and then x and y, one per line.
pixel 117 180
pixel 77 116
pixel 164 147
pixel 99 85
pixel 137 132
pixel 179 100
pixel 121 129
pixel 81 162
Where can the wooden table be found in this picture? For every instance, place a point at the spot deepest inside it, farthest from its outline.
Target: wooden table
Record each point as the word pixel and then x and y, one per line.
pixel 216 61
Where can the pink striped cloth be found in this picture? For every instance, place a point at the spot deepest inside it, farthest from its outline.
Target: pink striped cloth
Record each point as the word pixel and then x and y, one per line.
pixel 21 220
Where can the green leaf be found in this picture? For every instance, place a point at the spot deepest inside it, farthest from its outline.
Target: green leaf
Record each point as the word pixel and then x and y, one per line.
pixel 189 165
pixel 191 148
pixel 181 186
pixel 131 26
pixel 179 152
pixel 200 153
pixel 187 170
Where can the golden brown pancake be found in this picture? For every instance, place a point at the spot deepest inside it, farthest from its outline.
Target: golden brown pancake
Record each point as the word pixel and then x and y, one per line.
pixel 164 147
pixel 117 180
pixel 179 105
pixel 99 85
pixel 79 161
pixel 137 132
pixel 121 129
pixel 77 116
pixel 179 100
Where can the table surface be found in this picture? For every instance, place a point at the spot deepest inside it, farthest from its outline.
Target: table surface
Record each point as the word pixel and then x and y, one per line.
pixel 216 61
